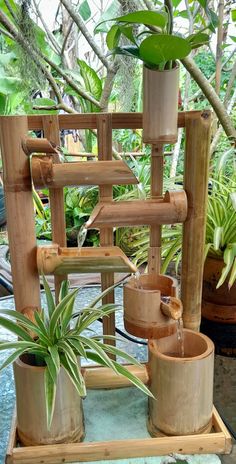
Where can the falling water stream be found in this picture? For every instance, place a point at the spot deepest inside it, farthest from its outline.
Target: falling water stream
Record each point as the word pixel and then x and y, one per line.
pixel 180 337
pixel 137 276
pixel 82 235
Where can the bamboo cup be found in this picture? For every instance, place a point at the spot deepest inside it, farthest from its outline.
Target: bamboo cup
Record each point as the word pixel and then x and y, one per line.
pixel 183 387
pixel 142 306
pixel 160 105
pixel 67 424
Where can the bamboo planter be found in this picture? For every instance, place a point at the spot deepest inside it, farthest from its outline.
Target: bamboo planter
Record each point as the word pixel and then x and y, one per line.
pixel 183 386
pixel 160 105
pixel 67 424
pixel 143 314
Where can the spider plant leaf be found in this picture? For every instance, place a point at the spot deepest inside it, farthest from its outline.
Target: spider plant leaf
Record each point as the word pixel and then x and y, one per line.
pixel 95 346
pixel 104 293
pixel 228 260
pixel 117 352
pixel 52 368
pixel 135 380
pixel 13 327
pixel 49 297
pixel 64 346
pixel 75 375
pixel 64 290
pixel 67 314
pixel 58 312
pixel 43 330
pixel 174 250
pixel 232 274
pixel 217 237
pixel 13 356
pixel 78 346
pixel 50 396
pixel 23 320
pixel 233 199
pixel 53 350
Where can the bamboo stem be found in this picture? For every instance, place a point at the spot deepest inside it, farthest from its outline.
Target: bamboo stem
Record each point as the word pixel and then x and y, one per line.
pixel 56 196
pixel 20 213
pixel 154 252
pixel 36 145
pixel 195 184
pixel 104 131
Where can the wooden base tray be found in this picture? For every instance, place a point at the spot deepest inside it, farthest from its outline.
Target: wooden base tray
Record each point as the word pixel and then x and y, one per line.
pixel 216 442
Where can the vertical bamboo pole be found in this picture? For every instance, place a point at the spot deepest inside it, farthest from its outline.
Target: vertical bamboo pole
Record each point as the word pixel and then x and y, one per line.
pixel 56 196
pixel 20 212
pixel 104 132
pixel 154 252
pixel 196 169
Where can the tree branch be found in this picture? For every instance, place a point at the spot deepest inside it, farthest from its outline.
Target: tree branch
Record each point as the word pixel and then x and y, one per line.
pixel 48 32
pixel 35 53
pixel 211 95
pixel 220 130
pixel 82 27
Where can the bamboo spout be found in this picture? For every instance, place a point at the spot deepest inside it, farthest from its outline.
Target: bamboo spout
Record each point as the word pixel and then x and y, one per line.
pixel 30 145
pixel 172 307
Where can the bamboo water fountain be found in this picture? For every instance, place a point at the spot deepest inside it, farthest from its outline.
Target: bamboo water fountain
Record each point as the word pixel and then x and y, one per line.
pixel 28 261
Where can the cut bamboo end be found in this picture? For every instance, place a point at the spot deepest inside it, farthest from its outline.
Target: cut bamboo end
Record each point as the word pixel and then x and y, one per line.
pixel 47 174
pixel 52 259
pixel 30 145
pixel 168 210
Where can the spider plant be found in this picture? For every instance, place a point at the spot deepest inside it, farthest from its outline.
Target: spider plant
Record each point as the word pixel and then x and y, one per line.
pixel 55 342
pixel 220 242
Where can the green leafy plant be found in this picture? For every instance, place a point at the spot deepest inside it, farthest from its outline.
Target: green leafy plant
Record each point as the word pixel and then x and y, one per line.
pixel 155 45
pixel 55 342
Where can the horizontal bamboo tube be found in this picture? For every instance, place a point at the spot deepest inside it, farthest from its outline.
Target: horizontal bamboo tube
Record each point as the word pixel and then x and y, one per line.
pixel 47 174
pixel 89 120
pixel 104 377
pixel 36 145
pixel 168 210
pixel 52 259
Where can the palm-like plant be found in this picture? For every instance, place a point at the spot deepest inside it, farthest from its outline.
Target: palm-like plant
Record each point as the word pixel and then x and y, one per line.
pixel 55 343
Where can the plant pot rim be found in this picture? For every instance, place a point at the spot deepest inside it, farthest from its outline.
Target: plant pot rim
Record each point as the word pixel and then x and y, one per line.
pixel 25 365
pixel 163 278
pixel 210 348
pixel 175 68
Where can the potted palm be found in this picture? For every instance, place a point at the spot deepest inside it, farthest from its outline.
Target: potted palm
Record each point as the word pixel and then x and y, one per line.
pixel 48 379
pixel 159 49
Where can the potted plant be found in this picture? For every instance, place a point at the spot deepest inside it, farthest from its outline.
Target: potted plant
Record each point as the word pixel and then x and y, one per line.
pixel 48 379
pixel 159 49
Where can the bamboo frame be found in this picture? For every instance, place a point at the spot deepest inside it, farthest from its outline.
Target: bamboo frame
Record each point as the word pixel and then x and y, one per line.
pixel 104 132
pixel 197 157
pixel 47 174
pixel 56 196
pixel 20 213
pixel 197 125
pixel 35 145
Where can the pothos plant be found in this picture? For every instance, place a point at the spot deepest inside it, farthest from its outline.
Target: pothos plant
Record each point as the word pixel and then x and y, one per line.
pixel 155 44
pixel 56 338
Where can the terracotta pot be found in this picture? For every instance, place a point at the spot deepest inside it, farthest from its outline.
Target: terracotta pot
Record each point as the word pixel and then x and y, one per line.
pixel 218 305
pixel 183 386
pixel 67 424
pixel 142 301
pixel 160 105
